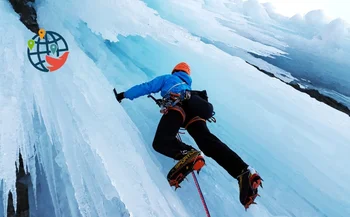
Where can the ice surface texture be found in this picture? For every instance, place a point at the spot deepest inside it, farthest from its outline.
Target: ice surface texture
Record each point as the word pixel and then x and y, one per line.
pixel 90 156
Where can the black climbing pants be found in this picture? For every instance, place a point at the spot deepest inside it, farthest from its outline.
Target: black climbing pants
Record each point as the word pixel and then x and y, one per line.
pixel 166 143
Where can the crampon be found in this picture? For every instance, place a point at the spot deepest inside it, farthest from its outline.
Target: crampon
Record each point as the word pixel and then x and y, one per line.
pixel 249 182
pixel 192 161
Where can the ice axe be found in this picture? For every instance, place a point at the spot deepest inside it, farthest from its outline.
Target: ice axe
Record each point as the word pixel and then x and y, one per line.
pixel 115 94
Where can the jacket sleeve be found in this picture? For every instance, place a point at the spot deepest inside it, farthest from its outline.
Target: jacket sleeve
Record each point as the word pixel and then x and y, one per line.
pixel 152 86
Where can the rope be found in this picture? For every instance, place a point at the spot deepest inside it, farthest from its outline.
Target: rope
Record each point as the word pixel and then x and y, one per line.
pixel 200 194
pixel 197 185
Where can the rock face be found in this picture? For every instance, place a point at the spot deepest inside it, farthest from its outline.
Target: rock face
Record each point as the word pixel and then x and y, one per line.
pixel 322 98
pixel 311 92
pixel 28 16
pixel 25 8
pixel 22 209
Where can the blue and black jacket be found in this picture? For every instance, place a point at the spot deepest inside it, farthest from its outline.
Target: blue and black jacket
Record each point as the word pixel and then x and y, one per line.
pixel 177 83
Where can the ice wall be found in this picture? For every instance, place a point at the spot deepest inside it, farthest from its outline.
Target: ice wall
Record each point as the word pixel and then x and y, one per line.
pixel 70 135
pixel 89 156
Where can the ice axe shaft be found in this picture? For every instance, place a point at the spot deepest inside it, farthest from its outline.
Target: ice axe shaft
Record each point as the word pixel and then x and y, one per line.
pixel 115 94
pixel 157 101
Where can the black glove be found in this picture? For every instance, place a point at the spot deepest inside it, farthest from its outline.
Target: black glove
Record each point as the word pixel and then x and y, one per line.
pixel 120 96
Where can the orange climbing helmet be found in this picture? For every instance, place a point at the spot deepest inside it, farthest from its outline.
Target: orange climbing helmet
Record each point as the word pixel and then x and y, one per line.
pixel 182 67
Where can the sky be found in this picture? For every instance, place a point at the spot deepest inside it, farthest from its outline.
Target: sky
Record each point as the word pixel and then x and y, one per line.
pixel 333 8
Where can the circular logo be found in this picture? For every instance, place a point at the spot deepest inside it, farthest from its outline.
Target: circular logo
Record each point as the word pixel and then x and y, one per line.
pixel 47 51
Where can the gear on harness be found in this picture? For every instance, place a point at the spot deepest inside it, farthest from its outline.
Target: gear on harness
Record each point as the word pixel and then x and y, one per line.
pixel 173 99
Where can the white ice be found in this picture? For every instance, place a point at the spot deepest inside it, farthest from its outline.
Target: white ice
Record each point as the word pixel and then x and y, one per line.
pixel 90 156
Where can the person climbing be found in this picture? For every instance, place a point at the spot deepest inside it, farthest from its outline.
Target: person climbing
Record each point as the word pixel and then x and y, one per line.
pixel 184 107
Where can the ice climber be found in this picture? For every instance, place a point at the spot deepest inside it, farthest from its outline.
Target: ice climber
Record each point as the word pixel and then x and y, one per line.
pixel 183 107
